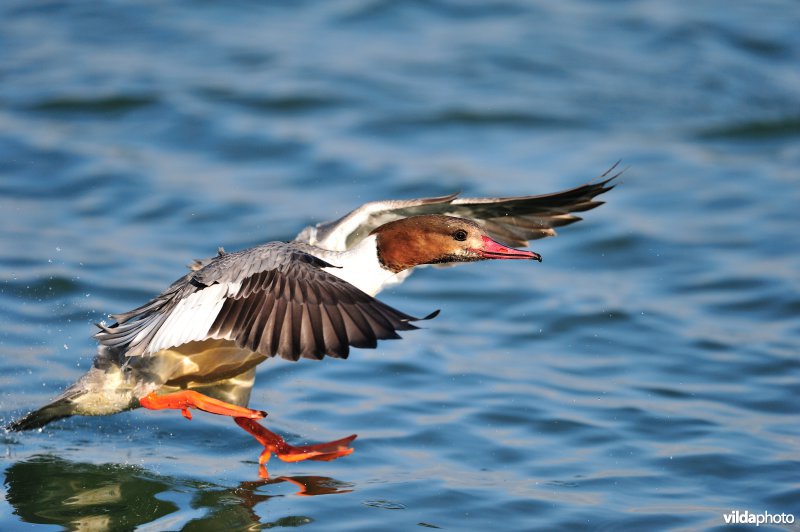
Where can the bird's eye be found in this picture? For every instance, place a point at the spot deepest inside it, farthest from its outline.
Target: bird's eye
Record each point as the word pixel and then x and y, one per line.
pixel 460 235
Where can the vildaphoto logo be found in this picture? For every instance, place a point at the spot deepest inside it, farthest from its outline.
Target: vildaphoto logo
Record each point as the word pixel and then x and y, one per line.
pixel 739 517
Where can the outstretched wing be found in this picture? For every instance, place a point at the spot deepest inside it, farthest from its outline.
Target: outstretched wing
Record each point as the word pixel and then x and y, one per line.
pixel 273 299
pixel 513 220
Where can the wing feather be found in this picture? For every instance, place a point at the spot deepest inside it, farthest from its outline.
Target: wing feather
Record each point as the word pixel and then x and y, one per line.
pixel 316 326
pixel 273 299
pixel 514 220
pixel 336 340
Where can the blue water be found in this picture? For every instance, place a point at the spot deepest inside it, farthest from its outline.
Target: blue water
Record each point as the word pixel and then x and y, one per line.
pixel 644 376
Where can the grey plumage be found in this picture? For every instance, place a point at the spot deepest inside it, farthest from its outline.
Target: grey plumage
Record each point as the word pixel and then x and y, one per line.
pixel 284 304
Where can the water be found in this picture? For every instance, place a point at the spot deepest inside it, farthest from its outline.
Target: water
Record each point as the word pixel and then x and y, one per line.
pixel 644 376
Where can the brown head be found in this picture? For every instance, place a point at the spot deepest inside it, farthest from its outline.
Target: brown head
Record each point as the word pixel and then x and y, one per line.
pixel 438 239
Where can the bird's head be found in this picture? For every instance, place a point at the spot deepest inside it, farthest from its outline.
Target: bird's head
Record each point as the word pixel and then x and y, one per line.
pixel 438 239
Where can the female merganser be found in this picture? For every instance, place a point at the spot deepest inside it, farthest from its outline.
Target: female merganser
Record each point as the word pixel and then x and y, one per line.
pixel 198 343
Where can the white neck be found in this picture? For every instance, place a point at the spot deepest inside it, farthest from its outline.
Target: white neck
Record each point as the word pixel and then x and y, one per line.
pixel 360 267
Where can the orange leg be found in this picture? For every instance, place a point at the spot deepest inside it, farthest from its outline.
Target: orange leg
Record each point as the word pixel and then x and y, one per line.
pixel 186 399
pixel 289 453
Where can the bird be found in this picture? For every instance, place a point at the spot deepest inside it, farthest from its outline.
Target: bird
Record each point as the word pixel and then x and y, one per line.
pixel 197 344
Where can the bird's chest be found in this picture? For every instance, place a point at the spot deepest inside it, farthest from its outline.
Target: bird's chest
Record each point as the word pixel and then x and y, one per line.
pixel 361 268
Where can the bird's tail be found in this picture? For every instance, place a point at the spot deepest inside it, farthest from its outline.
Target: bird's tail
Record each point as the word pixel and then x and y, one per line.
pixel 101 391
pixel 61 407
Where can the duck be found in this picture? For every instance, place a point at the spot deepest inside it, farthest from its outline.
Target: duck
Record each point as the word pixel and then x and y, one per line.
pixel 196 345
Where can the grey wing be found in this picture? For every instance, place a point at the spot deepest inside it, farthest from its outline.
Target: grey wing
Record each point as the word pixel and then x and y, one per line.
pixel 517 220
pixel 272 299
pixel 514 220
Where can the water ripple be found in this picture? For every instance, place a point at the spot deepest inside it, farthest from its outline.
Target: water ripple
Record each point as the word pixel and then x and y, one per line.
pixel 643 376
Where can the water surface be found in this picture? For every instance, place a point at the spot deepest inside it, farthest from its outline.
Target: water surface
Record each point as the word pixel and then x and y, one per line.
pixel 645 375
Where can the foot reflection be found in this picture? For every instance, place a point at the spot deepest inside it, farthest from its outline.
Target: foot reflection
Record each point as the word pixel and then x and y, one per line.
pixel 307 486
pixel 47 489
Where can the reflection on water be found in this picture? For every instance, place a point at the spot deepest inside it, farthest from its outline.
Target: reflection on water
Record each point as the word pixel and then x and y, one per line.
pixel 47 489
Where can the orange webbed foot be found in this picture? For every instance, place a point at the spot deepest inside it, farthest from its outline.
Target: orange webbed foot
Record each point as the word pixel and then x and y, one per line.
pixel 273 443
pixel 186 399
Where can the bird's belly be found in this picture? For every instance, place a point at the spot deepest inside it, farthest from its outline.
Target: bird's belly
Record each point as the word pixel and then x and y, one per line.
pixel 204 362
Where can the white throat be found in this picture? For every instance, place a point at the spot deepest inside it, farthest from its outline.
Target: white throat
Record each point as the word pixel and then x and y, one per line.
pixel 360 267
